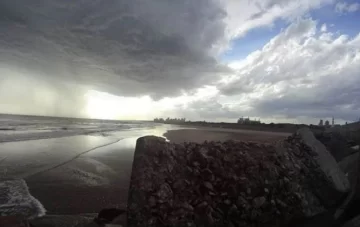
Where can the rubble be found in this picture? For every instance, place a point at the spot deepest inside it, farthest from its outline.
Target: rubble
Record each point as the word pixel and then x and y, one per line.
pixel 232 183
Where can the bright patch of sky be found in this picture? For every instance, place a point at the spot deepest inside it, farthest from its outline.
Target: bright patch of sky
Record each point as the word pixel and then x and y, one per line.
pixel 252 41
pixel 345 21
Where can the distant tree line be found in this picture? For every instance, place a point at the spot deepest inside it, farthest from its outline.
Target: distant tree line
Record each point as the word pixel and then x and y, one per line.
pixel 170 120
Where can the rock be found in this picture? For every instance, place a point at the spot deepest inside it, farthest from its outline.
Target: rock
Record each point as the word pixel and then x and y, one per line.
pixel 337 185
pixel 216 183
pixel 259 201
pixel 336 143
pixel 355 222
pixel 164 193
pixel 207 175
pixel 281 203
pixel 233 211
pixel 248 191
pixel 201 205
pixel 241 202
pixel 208 185
pixel 187 206
pixel 356 148
pixel 179 185
pixel 152 201
pixel 351 167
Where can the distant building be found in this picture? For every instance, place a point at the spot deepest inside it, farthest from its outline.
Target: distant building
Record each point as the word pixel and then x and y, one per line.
pixel 247 121
pixel 321 123
pixel 327 123
pixel 333 122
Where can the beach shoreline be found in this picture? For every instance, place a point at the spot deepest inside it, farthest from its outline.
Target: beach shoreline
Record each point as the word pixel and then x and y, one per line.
pixel 86 173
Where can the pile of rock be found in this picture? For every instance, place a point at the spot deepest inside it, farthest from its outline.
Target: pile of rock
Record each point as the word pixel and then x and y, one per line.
pixel 232 183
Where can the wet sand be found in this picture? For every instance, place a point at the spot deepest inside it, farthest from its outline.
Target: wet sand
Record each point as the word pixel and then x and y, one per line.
pixel 99 179
pixel 76 174
pixel 210 134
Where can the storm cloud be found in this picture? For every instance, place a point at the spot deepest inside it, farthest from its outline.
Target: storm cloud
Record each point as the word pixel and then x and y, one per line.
pixel 127 48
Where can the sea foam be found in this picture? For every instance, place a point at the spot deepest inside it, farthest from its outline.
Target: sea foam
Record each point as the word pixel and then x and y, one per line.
pixel 16 200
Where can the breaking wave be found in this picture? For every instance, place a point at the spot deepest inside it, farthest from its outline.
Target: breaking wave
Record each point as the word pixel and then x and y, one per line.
pixel 16 200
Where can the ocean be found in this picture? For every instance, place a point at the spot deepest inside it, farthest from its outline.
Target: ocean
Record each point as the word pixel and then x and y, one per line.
pixel 22 127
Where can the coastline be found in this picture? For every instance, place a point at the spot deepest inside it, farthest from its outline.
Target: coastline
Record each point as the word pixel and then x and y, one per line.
pixel 84 173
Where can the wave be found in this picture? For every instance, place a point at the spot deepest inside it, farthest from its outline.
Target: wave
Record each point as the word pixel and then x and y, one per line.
pixel 16 200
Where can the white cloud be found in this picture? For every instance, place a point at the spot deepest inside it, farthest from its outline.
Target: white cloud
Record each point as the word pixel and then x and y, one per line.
pixel 300 72
pixel 343 7
pixel 246 15
pixel 242 16
pixel 323 28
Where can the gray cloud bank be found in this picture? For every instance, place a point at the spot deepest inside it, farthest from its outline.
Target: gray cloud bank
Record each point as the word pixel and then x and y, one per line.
pixel 128 48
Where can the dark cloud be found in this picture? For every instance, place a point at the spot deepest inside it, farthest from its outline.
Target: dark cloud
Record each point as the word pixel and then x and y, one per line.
pixel 126 47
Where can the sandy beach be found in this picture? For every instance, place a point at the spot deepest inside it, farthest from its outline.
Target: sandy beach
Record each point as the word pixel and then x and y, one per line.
pixel 199 135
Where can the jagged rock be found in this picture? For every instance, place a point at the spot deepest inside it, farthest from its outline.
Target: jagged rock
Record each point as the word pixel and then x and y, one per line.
pixel 351 167
pixel 209 184
pixel 337 185
pixel 336 143
pixel 355 222
pixel 259 201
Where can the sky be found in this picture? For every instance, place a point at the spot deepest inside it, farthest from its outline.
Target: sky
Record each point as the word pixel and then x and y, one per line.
pixel 294 61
